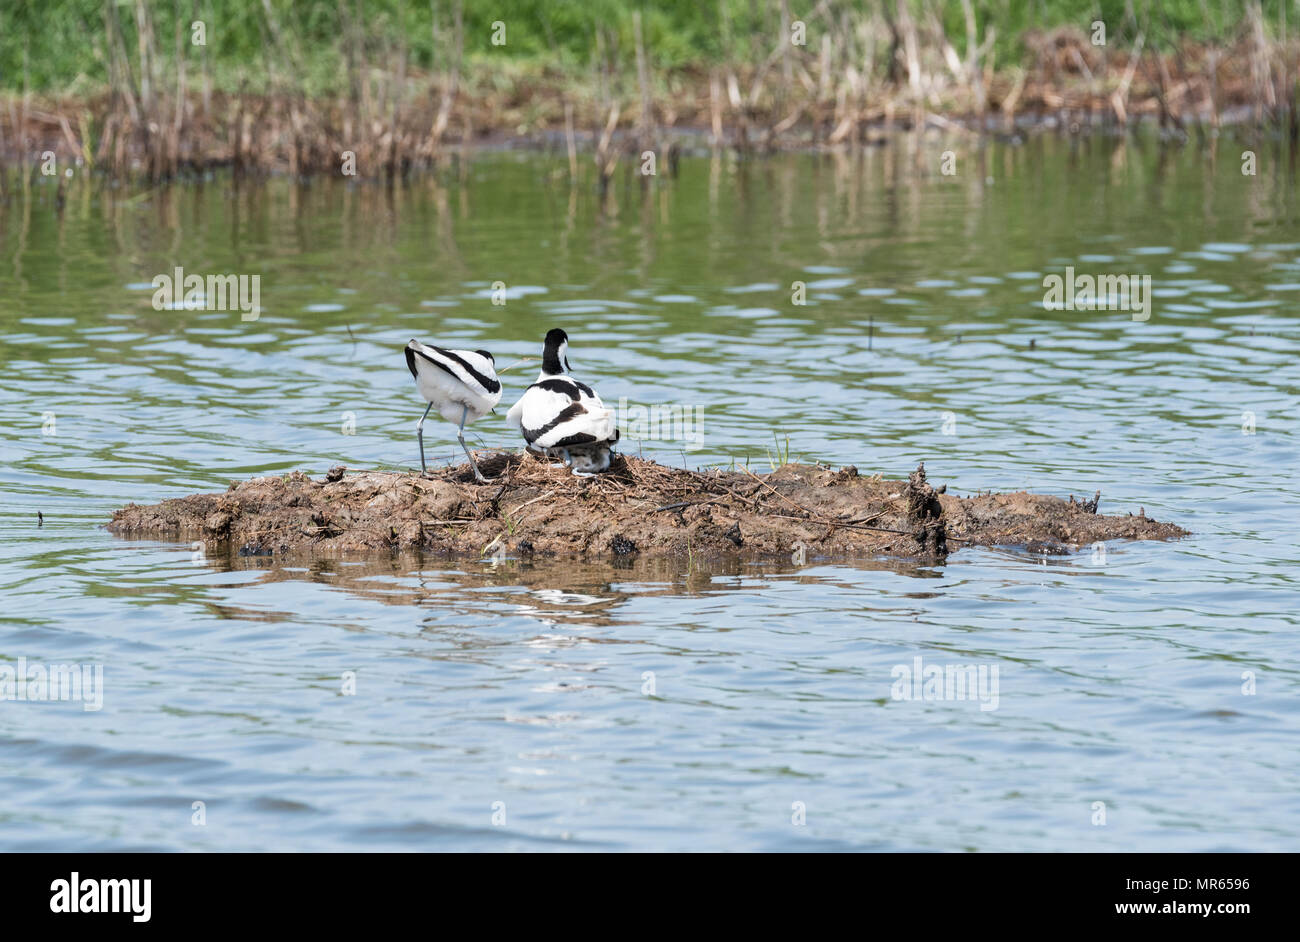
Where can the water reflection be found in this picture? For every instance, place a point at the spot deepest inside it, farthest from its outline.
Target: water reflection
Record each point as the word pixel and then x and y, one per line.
pixel 563 590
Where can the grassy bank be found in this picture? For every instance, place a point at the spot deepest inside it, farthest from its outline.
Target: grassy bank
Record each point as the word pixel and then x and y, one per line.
pixel 382 88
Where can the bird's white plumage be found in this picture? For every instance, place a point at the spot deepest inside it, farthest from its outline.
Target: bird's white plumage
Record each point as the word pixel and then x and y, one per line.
pixel 461 384
pixel 446 379
pixel 560 416
pixel 557 412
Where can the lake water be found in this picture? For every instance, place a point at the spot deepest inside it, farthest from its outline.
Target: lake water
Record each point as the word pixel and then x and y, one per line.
pixel 679 705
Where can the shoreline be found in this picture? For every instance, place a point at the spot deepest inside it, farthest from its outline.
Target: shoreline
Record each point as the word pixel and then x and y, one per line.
pixel 626 147
pixel 417 123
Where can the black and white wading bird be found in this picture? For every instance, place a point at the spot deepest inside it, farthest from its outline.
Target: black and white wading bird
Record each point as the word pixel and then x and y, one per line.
pixel 463 385
pixel 562 417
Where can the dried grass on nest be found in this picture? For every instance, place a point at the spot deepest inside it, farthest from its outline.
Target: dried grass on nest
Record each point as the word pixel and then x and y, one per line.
pixel 627 480
pixel 650 487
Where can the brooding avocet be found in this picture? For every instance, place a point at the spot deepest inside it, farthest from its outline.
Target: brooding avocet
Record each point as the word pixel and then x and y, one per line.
pixel 461 383
pixel 562 417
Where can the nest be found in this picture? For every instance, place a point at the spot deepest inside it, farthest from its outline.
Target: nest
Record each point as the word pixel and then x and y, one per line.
pixel 533 507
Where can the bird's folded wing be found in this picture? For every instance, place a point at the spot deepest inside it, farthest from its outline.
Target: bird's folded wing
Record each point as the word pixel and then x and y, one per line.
pixel 550 418
pixel 474 371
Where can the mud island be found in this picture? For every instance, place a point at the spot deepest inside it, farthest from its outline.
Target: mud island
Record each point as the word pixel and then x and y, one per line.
pixel 638 508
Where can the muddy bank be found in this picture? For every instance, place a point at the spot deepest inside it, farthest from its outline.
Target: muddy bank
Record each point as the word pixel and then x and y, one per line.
pixel 795 97
pixel 638 510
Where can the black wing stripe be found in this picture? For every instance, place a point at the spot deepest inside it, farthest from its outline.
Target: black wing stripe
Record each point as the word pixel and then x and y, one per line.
pixel 490 385
pixel 568 413
pixel 562 386
pixel 438 363
pixel 582 438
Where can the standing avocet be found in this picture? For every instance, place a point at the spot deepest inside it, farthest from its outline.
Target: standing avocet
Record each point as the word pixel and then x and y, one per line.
pixel 562 417
pixel 461 383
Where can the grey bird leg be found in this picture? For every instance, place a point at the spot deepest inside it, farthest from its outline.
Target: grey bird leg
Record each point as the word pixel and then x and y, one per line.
pixel 419 436
pixel 460 435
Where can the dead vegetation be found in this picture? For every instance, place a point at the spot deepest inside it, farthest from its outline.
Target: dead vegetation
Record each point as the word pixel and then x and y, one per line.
pixel 638 509
pixel 861 72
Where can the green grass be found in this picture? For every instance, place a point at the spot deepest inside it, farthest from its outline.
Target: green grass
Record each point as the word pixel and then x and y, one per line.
pixel 63 47
pixel 779 458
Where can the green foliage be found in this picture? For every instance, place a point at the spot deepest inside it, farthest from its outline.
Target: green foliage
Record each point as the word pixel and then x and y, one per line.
pixel 779 458
pixel 64 46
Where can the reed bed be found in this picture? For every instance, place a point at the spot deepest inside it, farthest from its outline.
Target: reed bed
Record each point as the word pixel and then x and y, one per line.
pixel 862 70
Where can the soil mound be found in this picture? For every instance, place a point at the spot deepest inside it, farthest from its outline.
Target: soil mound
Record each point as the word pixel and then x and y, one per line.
pixel 638 508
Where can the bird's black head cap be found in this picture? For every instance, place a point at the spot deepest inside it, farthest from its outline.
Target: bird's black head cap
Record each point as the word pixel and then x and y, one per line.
pixel 554 361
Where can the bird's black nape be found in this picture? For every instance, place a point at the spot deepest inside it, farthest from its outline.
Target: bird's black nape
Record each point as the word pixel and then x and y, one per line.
pixel 486 355
pixel 555 339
